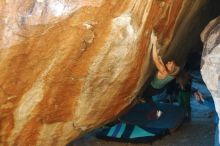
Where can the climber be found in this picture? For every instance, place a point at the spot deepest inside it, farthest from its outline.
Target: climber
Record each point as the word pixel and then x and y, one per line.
pixel 165 74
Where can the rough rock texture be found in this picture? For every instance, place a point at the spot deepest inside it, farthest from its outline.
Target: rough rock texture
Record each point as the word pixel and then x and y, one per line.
pixel 210 67
pixel 68 66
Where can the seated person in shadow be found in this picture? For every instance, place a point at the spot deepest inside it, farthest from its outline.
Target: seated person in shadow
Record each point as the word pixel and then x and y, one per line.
pixel 185 90
pixel 165 74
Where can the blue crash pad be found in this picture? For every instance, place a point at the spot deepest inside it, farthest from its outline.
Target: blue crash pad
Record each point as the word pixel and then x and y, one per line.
pixel 171 118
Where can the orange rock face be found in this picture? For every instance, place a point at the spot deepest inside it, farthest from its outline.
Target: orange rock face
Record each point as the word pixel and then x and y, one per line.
pixel 67 67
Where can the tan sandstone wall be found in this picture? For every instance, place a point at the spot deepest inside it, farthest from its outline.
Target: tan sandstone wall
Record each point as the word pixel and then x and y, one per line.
pixel 68 66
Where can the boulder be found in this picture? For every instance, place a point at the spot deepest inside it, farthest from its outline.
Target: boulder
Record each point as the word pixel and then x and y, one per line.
pixel 69 66
pixel 210 66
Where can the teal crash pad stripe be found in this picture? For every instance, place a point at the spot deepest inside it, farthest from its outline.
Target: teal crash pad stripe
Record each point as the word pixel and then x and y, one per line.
pixel 139 132
pixel 117 130
pixel 121 131
pixel 111 131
